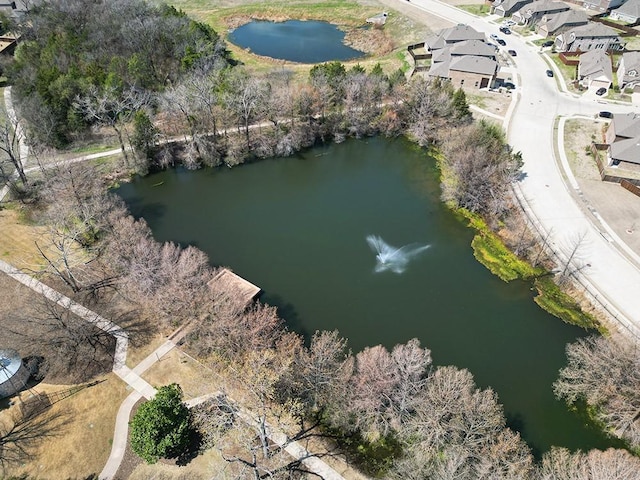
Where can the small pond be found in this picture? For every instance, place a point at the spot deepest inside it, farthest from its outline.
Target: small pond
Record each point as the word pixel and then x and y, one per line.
pixel 301 228
pixel 294 41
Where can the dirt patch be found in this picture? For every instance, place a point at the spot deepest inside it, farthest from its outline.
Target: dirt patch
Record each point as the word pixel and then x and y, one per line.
pixel 618 208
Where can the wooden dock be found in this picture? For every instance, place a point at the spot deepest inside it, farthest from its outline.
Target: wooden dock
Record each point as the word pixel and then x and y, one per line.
pixel 234 284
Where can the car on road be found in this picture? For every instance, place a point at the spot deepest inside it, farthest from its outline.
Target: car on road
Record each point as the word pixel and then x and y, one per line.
pixel 549 73
pixel 512 53
pixel 508 23
pixel 605 115
pixel 501 42
pixel 505 30
pixel 601 91
pixel 494 36
pixel 508 85
pixel 548 43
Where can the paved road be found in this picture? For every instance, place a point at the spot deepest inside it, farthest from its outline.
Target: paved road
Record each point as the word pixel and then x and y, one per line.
pixel 614 278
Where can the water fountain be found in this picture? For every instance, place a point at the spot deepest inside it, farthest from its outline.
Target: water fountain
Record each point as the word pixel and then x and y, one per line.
pixel 392 258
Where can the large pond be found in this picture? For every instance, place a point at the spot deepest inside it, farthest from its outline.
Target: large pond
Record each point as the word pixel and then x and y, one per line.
pixel 295 41
pixel 298 228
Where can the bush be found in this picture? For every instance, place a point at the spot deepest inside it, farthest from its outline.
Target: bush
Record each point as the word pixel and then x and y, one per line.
pixel 162 426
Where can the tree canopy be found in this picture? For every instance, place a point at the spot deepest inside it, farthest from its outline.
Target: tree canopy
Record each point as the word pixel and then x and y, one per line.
pixel 162 426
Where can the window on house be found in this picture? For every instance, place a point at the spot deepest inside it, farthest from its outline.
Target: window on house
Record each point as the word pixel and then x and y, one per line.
pixel 476 84
pixel 632 73
pixel 462 82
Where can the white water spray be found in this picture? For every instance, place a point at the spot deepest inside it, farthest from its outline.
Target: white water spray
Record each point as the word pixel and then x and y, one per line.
pixel 392 258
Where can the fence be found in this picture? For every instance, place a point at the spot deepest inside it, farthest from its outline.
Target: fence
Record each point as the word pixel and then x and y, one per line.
pixel 633 185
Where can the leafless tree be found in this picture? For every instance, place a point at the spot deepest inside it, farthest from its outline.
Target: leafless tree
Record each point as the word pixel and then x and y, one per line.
pixel 605 372
pixel 561 464
pixel 245 98
pixel 574 261
pixel 385 386
pixel 70 345
pixel 458 431
pixel 323 371
pixel 11 161
pixel 113 108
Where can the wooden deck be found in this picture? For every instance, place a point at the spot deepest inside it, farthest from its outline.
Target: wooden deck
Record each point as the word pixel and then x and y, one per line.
pixel 229 281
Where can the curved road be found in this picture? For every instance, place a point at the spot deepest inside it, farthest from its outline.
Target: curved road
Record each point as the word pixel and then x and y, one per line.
pixel 615 279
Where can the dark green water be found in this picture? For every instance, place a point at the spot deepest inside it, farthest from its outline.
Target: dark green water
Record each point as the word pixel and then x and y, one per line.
pixel 296 227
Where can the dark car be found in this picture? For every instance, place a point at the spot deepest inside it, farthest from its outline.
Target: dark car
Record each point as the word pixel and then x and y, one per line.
pixel 501 41
pixel 505 30
pixel 549 73
pixel 605 115
pixel 508 85
pixel 512 53
pixel 548 43
pixel 601 91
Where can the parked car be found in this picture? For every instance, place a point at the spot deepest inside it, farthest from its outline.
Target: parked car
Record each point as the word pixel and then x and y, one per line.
pixel 512 53
pixel 509 85
pixel 549 73
pixel 548 43
pixel 605 115
pixel 494 37
pixel 508 23
pixel 501 42
pixel 505 30
pixel 601 91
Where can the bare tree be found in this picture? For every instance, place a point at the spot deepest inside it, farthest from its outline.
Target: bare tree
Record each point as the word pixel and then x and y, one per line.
pixel 605 373
pixel 561 464
pixel 113 108
pixel 71 346
pixel 10 150
pixel 458 431
pixel 385 386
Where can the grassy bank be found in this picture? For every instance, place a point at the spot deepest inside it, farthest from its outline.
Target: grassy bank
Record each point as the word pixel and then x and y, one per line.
pixel 490 250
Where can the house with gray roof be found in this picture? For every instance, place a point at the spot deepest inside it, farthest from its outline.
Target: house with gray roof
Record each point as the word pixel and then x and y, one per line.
pixel 466 71
pixel 623 138
pixel 450 36
pixel 601 5
pixel 587 37
pixel 625 154
pixel 595 70
pixel 629 70
pixel 555 23
pixel 530 14
pixel 505 8
pixel 628 12
pixel 623 126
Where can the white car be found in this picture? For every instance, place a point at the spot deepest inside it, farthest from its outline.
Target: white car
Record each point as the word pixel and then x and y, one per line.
pixel 494 36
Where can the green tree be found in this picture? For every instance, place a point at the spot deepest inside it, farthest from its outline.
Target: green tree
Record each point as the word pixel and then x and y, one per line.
pixel 144 135
pixel 460 105
pixel 162 426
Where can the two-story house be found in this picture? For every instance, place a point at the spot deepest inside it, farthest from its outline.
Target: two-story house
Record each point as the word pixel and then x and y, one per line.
pixel 587 37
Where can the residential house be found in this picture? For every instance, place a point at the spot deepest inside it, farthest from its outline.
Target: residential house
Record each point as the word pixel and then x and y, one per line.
pixel 530 14
pixel 467 47
pixel 595 70
pixel 629 70
pixel 625 154
pixel 623 138
pixel 555 23
pixel 628 12
pixel 449 36
pixel 466 71
pixel 601 5
pixel 506 8
pixel 623 126
pixel 587 37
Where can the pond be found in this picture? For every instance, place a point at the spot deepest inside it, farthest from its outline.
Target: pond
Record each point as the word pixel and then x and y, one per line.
pixel 298 228
pixel 294 41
